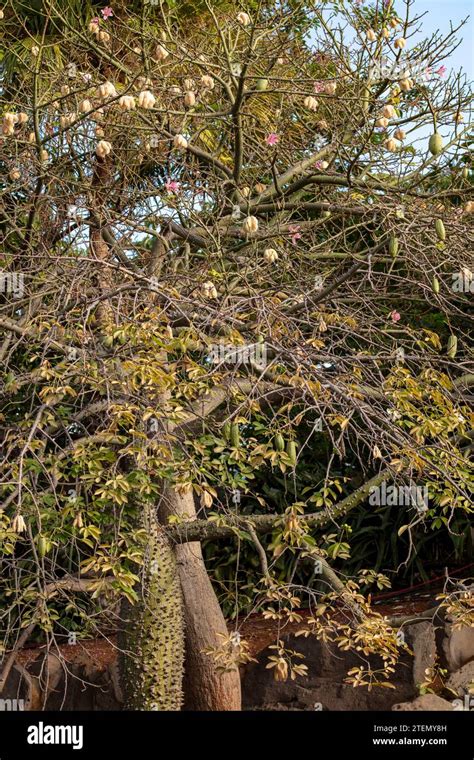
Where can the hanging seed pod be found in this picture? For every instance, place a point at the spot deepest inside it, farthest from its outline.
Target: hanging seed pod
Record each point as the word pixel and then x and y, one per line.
pixel 435 284
pixel 42 546
pixel 291 451
pixel 452 346
pixel 440 230
pixel 279 442
pixel 235 435
pixel 435 144
pixel 393 246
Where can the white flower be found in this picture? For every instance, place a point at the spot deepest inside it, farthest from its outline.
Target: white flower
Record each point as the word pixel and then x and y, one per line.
pixel 189 99
pixel 10 118
pixel 270 255
pixel 175 90
pixel 399 134
pixel 127 103
pixel 189 84
pixel 382 122
pixel 385 33
pixel 106 90
pixel 44 155
pixel 22 117
pixel 35 51
pixel 146 99
pixel 8 129
pixel 99 132
pixel 469 207
pixel 310 103
pixel 245 191
pixel 103 36
pixel 250 225
pixel 260 187
pixel 400 43
pixel 180 142
pixel 67 119
pixel 371 36
pixel 93 27
pixel 65 89
pixel 103 149
pixel 330 88
pixel 243 18
pixel 406 85
pixel 161 54
pixel 324 165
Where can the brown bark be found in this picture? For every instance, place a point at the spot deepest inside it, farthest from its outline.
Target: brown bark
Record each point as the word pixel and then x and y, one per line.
pixel 204 687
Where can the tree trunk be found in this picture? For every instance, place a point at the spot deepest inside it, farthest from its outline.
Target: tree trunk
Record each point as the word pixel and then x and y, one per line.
pixel 205 688
pixel 153 639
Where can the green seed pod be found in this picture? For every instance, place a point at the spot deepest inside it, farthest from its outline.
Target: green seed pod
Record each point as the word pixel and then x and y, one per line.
pixel 435 283
pixel 291 451
pixel 452 346
pixel 261 84
pixel 393 246
pixel 42 546
pixel 440 230
pixel 435 144
pixel 279 442
pixel 234 435
pixel 226 431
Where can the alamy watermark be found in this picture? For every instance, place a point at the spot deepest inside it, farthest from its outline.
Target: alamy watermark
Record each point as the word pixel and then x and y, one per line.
pixel 410 495
pixel 253 353
pixel 12 282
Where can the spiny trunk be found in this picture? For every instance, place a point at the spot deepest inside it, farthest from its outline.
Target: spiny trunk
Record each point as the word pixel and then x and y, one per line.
pixel 152 665
pixel 205 688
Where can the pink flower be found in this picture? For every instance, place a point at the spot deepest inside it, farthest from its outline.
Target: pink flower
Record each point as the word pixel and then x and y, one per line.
pixel 395 316
pixel 172 186
pixel 441 71
pixel 107 12
pixel 294 230
pixel 272 139
pixel 319 86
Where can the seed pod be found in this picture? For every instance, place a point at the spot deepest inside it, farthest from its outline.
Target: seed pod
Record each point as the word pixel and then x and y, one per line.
pixel 440 230
pixel 226 431
pixel 435 284
pixel 42 546
pixel 279 442
pixel 261 84
pixel 435 144
pixel 291 451
pixel 235 435
pixel 452 346
pixel 393 246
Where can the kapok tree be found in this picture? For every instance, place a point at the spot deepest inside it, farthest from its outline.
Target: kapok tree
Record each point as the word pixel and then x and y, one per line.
pixel 215 234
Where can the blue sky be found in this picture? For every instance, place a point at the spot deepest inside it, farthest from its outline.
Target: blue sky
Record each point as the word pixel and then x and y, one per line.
pixel 439 14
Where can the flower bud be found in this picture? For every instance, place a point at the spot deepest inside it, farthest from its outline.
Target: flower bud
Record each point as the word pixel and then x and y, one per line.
pixel 243 18
pixel 189 99
pixel 146 99
pixel 388 111
pixel 270 255
pixel 85 106
pixel 180 142
pixel 127 103
pixel 106 90
pixel 103 149
pixel 250 225
pixel 207 82
pixel 161 54
pixel 310 103
pixel 400 43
